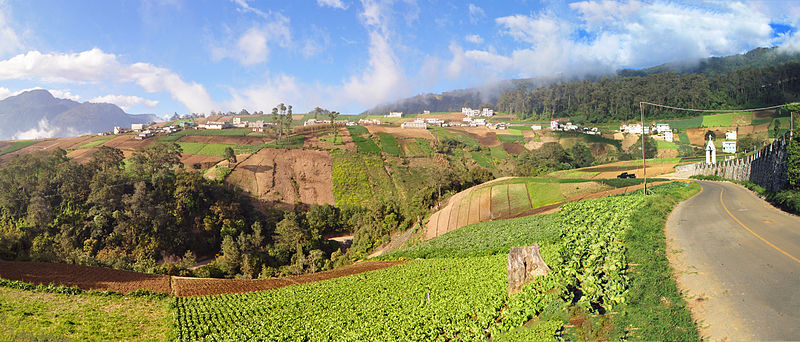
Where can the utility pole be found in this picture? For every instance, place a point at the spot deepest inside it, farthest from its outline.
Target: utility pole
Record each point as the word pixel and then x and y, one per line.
pixel 644 165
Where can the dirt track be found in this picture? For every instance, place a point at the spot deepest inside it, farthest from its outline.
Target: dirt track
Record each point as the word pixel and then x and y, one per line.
pixel 98 278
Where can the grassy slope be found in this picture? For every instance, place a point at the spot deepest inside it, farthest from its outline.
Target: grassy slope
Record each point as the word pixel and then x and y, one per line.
pixel 38 315
pixel 18 145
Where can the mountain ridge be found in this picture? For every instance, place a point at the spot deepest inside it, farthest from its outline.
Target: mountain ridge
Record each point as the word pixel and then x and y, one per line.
pixel 38 114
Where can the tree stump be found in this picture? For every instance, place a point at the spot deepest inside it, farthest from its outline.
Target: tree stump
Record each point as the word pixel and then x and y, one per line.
pixel 524 264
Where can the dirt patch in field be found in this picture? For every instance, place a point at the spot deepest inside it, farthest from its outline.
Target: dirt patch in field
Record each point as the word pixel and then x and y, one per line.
pixel 206 162
pixel 513 148
pixel 763 114
pixel 83 155
pixel 534 145
pixel 482 134
pixel 229 140
pixel 127 142
pixel 399 132
pixel 84 277
pixel 668 153
pixel 286 176
pixel 189 287
pixel 598 149
pixel 629 140
pixel 313 140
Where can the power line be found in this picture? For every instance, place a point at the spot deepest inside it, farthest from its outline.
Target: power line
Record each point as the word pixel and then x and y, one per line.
pixel 714 110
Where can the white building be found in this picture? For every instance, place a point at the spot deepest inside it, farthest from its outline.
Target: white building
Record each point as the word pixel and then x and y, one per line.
pixel 414 124
pixel 217 125
pixel 487 112
pixel 433 121
pixel 668 136
pixel 729 146
pixel 367 122
pixel 237 122
pixel 570 127
pixel 119 130
pixel 634 129
pixel 143 135
pixel 662 127
pixel 730 135
pixel 555 125
pixel 395 115
pixel 137 127
pixel 536 127
pixel 426 112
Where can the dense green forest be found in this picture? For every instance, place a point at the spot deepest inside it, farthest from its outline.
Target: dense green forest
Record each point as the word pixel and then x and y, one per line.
pixel 618 98
pixel 147 213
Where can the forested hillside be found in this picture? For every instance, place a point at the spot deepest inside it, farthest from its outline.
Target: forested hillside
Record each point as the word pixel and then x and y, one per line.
pixel 618 98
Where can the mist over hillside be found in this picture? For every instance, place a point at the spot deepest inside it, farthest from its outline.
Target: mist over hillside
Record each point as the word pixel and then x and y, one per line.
pixel 37 114
pixel 491 94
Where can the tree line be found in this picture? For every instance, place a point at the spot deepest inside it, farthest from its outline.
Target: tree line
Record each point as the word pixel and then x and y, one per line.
pixel 617 98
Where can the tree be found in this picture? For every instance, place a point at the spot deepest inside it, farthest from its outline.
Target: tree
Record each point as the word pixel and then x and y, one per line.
pixel 108 157
pixel 244 112
pixel 650 148
pixel 776 127
pixel 332 116
pixel 581 155
pixel 156 160
pixel 710 133
pixel 229 155
pixel 749 143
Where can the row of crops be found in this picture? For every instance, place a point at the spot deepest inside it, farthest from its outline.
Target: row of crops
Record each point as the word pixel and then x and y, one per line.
pixel 457 291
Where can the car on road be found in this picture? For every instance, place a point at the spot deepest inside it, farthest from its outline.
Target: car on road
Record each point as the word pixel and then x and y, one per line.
pixel 626 175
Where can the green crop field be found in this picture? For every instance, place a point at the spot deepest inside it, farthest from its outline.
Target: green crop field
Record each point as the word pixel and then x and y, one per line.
pixel 359 178
pixel 518 198
pixel 718 120
pixel 511 138
pixel 389 144
pixel 364 144
pixel 96 142
pixel 71 314
pixel 418 301
pixel 695 122
pixel 425 145
pixel 18 145
pixel 481 159
pixel 665 145
pixel 498 153
pixel 544 193
pixel 443 133
pixel 683 138
pixel 412 149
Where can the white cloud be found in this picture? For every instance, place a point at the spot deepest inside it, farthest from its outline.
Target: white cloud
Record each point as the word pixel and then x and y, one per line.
pixel 95 66
pixel 332 3
pixel 382 78
pixel 45 130
pixel 475 13
pixel 608 35
pixel 10 42
pixel 252 47
pixel 124 101
pixel 473 38
pixel 245 7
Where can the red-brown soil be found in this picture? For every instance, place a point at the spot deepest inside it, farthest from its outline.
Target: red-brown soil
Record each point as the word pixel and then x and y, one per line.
pixel 99 278
pixel 83 155
pixel 482 134
pixel 230 140
pixel 127 142
pixel 286 176
pixel 206 162
pixel 513 148
pixel 84 277
pixel 189 287
pixel 399 132
pixel 313 140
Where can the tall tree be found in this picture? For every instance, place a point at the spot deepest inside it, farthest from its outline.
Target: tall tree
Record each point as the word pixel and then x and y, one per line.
pixel 332 116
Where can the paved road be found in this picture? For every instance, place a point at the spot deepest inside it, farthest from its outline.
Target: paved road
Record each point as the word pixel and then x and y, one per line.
pixel 739 258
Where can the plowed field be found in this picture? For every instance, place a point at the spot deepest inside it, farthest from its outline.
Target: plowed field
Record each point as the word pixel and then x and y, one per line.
pixel 286 176
pixel 127 142
pixel 84 277
pixel 98 278
pixel 188 287
pixel 229 140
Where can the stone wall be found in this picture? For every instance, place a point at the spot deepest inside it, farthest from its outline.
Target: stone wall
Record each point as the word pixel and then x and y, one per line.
pixel 767 167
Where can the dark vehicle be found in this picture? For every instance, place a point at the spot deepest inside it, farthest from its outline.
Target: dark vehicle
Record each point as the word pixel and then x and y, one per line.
pixel 626 175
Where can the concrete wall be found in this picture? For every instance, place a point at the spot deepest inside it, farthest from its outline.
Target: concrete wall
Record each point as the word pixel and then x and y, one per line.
pixel 767 167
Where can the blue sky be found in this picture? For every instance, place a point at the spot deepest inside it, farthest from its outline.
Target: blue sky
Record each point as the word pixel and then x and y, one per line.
pixel 348 55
